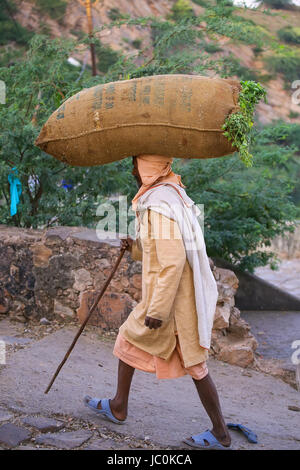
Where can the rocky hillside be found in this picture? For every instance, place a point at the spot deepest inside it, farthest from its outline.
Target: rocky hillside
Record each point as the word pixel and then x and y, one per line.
pixel 125 38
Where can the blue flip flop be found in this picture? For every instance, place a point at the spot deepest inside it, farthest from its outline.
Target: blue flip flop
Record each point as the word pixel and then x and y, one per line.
pixel 105 408
pixel 211 442
pixel 251 436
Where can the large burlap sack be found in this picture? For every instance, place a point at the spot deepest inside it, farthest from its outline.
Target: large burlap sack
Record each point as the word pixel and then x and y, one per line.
pixel 172 115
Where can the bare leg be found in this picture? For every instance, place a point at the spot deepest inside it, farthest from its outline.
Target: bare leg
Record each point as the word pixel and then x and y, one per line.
pixel 209 397
pixel 119 404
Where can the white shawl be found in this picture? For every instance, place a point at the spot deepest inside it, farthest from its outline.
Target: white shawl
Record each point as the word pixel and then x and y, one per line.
pixel 166 200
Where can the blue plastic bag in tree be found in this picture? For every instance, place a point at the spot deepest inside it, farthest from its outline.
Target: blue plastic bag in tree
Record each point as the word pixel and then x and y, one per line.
pixel 15 190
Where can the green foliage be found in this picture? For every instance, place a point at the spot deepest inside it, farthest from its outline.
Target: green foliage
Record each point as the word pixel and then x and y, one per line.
pixel 181 10
pixel 230 65
pixel 201 3
pixel 211 48
pixel 283 139
pixel 106 56
pixel 239 124
pixel 166 36
pixel 137 43
pixel 285 62
pixel 78 33
pixel 257 50
pixel 175 50
pixel 35 88
pixel 54 8
pixel 115 14
pixel 10 29
pixel 9 55
pixel 293 114
pixel 289 34
pixel 222 8
pixel 282 133
pixel 44 28
pixel 220 19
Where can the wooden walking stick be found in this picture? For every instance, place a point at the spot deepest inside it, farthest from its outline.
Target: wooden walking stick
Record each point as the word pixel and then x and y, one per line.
pixel 87 318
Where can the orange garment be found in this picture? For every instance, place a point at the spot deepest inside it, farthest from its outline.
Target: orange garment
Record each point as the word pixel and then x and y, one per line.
pixel 168 293
pixel 152 169
pixel 164 369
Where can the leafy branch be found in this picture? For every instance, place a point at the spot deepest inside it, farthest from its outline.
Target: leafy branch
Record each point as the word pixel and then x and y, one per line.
pixel 238 125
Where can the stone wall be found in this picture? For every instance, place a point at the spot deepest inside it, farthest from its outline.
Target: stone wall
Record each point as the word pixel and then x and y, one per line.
pixel 57 273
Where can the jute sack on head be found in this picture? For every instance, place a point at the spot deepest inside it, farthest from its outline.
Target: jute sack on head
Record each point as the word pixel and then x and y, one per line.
pixel 171 115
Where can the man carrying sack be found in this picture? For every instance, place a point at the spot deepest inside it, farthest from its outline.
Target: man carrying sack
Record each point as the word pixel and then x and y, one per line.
pixel 169 332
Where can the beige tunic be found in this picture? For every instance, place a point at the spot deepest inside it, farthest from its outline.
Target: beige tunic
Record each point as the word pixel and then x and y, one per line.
pixel 167 293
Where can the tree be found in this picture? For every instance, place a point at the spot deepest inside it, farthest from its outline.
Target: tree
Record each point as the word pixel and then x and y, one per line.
pixel 246 208
pixel 181 9
pixel 10 29
pixel 35 88
pixel 54 8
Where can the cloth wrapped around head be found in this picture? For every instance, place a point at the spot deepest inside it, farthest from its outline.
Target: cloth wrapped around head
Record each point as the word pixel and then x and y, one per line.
pixel 154 169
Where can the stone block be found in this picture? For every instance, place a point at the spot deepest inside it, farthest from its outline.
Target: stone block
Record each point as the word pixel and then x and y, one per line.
pixel 62 310
pixel 222 315
pixel 43 424
pixel 41 255
pixel 111 312
pixel 5 415
pixel 65 440
pixel 239 353
pixel 12 435
pixel 83 280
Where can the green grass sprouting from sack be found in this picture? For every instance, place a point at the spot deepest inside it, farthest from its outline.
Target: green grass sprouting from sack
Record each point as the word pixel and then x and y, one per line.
pixel 238 125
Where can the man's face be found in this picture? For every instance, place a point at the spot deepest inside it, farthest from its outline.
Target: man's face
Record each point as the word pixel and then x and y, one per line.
pixel 135 172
